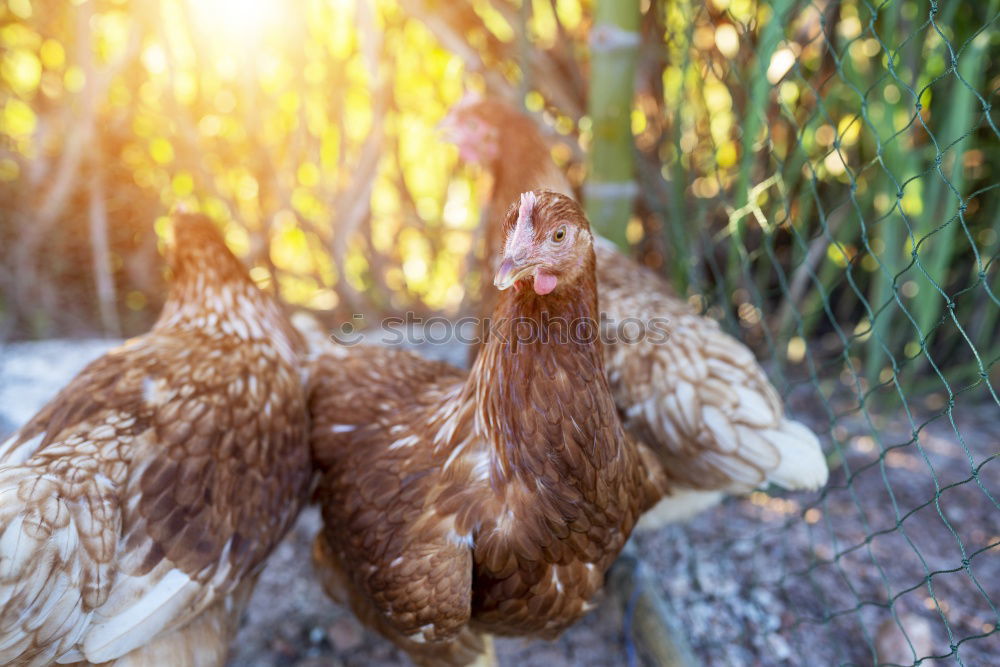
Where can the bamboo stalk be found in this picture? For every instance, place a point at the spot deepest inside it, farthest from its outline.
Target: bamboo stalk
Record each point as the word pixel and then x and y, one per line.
pixel 990 301
pixel 678 233
pixel 945 191
pixel 753 121
pixel 611 188
pixel 882 307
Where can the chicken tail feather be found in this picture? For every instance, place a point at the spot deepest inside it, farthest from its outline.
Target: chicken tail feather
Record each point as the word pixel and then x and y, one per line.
pixel 801 464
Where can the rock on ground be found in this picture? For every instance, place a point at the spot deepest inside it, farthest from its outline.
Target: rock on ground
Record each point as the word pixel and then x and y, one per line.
pixel 842 578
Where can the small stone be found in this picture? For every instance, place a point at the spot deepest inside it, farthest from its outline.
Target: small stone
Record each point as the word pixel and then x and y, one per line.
pixel 283 648
pixel 316 636
pixel 779 647
pixel 346 634
pixel 895 647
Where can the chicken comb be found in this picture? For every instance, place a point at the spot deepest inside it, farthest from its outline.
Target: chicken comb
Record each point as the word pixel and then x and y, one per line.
pixel 470 98
pixel 526 207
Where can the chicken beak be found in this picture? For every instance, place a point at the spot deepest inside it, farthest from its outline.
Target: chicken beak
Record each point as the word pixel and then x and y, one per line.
pixel 510 272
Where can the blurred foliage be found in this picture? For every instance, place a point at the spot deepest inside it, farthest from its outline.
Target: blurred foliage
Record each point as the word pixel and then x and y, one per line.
pixel 845 158
pixel 818 172
pixel 308 131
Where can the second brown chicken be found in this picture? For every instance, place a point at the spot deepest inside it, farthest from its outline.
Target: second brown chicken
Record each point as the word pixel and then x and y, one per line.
pixel 699 399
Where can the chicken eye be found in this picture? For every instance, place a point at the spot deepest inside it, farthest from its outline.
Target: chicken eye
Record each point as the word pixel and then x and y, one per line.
pixel 559 235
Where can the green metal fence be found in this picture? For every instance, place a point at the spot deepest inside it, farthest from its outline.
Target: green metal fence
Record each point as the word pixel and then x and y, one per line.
pixel 848 214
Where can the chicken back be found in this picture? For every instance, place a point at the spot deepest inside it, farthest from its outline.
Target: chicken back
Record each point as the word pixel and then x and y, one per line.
pixel 138 506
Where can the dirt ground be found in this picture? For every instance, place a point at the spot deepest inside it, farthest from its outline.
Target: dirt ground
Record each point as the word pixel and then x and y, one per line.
pixel 751 582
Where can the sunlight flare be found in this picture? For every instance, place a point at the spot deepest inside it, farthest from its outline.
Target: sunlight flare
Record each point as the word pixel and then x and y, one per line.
pixel 236 21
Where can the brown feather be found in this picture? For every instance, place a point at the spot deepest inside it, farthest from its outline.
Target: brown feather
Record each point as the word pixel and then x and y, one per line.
pixel 179 457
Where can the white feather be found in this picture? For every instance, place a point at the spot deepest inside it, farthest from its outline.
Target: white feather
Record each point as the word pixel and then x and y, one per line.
pixel 408 441
pixel 679 506
pixel 138 610
pixel 12 455
pixel 801 464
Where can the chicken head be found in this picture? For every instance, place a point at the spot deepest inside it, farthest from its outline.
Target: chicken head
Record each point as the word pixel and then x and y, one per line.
pixel 548 242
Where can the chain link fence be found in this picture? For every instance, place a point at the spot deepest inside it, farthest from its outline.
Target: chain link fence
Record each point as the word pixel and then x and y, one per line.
pixel 841 161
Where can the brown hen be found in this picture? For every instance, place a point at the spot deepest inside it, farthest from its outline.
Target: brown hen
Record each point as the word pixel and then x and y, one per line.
pixel 138 506
pixel 699 400
pixel 460 504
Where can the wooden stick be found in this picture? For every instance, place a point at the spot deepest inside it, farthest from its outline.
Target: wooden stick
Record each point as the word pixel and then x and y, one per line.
pixel 654 627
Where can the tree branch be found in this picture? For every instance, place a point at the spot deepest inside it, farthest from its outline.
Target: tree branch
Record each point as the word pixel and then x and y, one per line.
pixel 101 255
